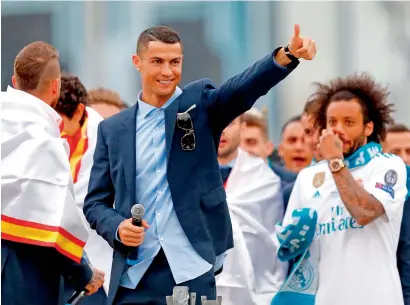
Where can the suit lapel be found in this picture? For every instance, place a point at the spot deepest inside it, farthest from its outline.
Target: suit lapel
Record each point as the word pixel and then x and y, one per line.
pixel 128 140
pixel 170 118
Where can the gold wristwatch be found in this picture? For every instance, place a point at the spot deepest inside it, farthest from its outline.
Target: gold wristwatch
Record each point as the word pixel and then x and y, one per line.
pixel 336 165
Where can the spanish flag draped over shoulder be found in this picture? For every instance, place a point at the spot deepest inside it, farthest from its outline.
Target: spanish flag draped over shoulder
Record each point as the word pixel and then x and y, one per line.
pixel 37 195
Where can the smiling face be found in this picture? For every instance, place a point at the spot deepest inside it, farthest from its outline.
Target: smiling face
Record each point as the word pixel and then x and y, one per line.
pixel 160 65
pixel 346 120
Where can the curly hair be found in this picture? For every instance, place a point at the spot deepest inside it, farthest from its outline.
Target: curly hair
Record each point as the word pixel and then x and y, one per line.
pixel 72 94
pixel 373 99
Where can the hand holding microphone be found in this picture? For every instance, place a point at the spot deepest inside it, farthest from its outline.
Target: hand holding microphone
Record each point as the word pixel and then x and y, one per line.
pixel 131 231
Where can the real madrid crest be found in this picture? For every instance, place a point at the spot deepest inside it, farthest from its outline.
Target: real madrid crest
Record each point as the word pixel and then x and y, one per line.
pixel 318 179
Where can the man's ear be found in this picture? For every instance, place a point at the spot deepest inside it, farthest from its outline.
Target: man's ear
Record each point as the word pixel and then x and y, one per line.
pixel 14 81
pixel 269 148
pixel 368 129
pixel 280 150
pixel 79 112
pixel 136 60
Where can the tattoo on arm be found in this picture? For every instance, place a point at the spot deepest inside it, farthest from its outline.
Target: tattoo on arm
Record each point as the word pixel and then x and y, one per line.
pixel 363 207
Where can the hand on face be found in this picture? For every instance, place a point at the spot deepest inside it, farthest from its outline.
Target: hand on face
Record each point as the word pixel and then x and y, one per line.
pixel 330 146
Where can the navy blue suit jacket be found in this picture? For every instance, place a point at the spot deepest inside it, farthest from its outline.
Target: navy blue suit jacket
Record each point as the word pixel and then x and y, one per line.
pixel 194 177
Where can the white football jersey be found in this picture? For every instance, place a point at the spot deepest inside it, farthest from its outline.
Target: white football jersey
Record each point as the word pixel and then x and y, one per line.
pixel 357 263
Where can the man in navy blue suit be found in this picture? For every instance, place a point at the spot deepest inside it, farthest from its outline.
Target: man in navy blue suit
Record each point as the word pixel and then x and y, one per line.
pixel 162 153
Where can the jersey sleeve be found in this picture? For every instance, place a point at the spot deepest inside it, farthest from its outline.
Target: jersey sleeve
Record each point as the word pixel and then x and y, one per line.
pixel 387 182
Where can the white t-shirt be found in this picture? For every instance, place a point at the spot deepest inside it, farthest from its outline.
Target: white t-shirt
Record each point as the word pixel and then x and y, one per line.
pixel 357 263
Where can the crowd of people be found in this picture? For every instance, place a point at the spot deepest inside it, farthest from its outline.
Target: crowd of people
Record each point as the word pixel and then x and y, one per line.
pixel 318 219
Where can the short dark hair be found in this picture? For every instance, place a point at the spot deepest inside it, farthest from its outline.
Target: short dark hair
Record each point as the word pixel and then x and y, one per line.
pixel 105 96
pixel 36 64
pixel 72 94
pixel 398 128
pixel 296 118
pixel 157 33
pixel 372 97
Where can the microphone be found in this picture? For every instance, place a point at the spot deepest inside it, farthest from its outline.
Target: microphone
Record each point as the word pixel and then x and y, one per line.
pixel 137 212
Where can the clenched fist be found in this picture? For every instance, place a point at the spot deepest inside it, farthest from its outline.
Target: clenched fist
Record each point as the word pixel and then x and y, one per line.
pixel 97 280
pixel 330 146
pixel 131 235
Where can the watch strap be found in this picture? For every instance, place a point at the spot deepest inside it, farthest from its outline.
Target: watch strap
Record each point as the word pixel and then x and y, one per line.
pixel 289 54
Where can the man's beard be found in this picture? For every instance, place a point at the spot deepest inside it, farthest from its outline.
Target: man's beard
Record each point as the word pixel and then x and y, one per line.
pixel 357 143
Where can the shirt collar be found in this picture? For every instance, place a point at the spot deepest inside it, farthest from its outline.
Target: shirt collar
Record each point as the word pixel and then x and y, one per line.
pixel 145 108
pixel 229 165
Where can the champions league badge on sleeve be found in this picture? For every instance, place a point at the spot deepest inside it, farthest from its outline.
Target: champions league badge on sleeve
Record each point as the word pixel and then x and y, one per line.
pixel 390 178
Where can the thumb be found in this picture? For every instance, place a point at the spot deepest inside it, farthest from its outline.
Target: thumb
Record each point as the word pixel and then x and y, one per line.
pixel 296 31
pixel 145 224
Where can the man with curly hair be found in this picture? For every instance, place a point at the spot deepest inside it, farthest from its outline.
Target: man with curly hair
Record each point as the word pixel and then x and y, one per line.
pixel 354 200
pixel 80 131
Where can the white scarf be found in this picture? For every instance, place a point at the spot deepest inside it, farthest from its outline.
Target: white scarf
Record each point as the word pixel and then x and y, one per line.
pixel 250 274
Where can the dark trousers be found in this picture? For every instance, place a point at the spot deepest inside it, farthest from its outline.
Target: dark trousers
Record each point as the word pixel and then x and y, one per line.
pixel 158 282
pixel 29 275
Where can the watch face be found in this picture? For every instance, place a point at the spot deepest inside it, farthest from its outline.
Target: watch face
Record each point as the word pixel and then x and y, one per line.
pixel 335 165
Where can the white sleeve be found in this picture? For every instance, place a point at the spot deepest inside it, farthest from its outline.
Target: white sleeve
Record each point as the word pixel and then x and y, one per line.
pixel 387 182
pixel 295 201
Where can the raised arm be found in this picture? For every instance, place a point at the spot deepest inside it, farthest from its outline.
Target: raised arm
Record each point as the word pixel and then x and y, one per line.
pixel 99 202
pixel 239 93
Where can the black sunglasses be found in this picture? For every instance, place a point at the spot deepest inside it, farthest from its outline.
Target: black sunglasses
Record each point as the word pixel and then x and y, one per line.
pixel 184 122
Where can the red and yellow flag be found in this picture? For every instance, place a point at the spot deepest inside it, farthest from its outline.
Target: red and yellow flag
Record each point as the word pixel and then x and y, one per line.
pixel 34 233
pixel 78 146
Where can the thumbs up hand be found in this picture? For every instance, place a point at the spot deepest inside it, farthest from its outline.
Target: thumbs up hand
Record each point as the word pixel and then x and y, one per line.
pixel 300 46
